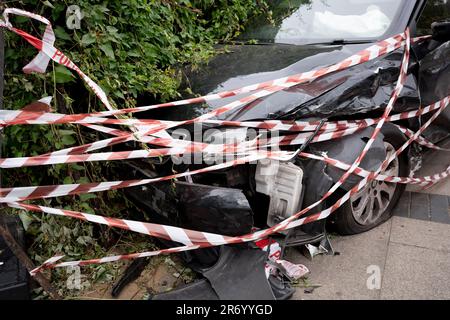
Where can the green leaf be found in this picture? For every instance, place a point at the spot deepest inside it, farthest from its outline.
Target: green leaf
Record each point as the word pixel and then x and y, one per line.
pixel 63 75
pixel 26 219
pixel 87 196
pixel 60 33
pixel 87 39
pixel 68 140
pixel 66 132
pixel 111 29
pixel 86 207
pixel 107 49
pixel 21 19
pixel 68 180
pixel 28 86
pixel 77 167
pixel 48 4
pixel 83 180
pixel 119 94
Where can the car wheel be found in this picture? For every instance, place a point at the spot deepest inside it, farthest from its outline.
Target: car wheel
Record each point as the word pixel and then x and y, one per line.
pixel 374 204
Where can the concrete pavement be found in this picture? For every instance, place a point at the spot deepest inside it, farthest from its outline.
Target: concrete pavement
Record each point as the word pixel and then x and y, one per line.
pixel 412 258
pixel 407 257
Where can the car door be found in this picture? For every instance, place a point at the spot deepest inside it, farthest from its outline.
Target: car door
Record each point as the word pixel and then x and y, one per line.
pixel 434 66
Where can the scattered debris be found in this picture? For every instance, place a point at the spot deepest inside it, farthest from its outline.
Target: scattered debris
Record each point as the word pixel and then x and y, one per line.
pixel 292 271
pixel 309 290
pixel 324 247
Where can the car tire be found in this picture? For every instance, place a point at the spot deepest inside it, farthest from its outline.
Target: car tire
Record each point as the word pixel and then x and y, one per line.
pixel 353 216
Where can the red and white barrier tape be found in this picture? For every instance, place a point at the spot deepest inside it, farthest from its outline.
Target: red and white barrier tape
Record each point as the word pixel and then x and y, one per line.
pixel 186 236
pixel 41 192
pixel 144 128
pixel 263 89
pixel 186 147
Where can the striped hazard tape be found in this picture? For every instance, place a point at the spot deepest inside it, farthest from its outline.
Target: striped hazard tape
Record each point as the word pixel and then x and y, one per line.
pixel 327 132
pixel 151 132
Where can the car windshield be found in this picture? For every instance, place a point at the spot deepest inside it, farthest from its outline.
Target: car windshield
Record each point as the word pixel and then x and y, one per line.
pixel 310 21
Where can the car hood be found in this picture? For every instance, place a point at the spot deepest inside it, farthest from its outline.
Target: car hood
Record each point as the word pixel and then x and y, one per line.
pixel 359 89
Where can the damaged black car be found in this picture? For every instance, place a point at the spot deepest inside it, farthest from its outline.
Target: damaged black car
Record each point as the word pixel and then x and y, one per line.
pixel 305 35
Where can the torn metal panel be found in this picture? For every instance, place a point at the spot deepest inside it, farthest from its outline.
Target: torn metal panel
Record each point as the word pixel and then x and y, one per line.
pixel 323 247
pixel 198 207
pixel 317 182
pixel 434 76
pixel 201 207
pixel 363 89
pixel 434 81
pixel 237 275
pixel 213 209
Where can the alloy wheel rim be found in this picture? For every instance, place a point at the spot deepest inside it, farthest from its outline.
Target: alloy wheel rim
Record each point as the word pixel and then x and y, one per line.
pixel 369 204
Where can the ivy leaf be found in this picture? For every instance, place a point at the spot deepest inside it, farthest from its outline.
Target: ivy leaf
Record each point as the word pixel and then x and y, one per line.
pixel 108 50
pixel 63 75
pixel 134 53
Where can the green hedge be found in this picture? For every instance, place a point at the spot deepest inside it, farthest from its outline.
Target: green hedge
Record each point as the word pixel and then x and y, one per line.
pixel 131 49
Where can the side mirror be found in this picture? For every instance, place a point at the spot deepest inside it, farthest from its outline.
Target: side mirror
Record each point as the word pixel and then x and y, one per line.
pixel 441 31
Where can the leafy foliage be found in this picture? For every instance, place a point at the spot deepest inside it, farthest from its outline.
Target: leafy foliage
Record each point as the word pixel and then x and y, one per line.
pixel 133 50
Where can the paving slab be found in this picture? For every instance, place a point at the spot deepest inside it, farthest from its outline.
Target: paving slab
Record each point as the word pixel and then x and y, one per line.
pixel 424 234
pixel 439 208
pixel 403 207
pixel 415 273
pixel 413 257
pixel 422 206
pixel 412 250
pixel 344 276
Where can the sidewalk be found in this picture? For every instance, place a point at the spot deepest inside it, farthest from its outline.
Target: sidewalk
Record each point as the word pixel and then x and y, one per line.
pixel 411 252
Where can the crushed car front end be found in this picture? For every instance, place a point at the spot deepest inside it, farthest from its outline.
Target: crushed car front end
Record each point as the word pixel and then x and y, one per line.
pixel 238 200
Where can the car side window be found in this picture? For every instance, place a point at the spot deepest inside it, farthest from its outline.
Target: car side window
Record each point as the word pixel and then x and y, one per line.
pixel 435 10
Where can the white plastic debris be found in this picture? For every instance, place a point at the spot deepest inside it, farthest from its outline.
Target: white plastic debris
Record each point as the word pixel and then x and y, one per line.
pixel 293 271
pixel 275 264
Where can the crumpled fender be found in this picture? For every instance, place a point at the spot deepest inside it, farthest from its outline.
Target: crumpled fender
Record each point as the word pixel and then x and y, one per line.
pixel 347 149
